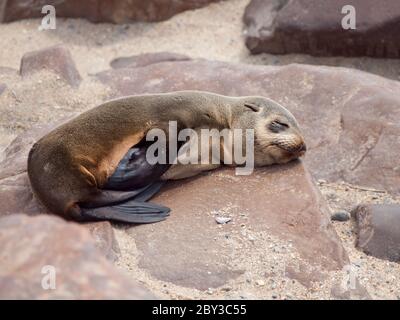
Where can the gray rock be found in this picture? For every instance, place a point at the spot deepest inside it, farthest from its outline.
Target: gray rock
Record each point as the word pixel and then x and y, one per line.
pixel 378 230
pixel 340 216
pixel 3 87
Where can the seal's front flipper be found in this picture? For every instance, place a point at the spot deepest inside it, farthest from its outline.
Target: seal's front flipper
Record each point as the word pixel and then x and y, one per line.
pixel 130 211
pixel 133 171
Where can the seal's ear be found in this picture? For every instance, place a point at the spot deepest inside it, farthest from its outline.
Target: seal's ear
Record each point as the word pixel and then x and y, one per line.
pixel 252 107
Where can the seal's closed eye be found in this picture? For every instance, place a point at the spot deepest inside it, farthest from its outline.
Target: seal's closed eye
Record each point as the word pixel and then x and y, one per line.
pixel 252 106
pixel 277 126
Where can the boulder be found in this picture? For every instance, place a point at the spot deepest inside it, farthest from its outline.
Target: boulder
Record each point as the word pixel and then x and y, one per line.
pixel 276 213
pixel 378 230
pixel 56 59
pixel 47 258
pixel 146 59
pixel 315 27
pixel 349 118
pixel 115 11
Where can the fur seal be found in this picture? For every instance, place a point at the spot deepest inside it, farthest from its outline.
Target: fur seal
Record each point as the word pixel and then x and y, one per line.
pixel 93 167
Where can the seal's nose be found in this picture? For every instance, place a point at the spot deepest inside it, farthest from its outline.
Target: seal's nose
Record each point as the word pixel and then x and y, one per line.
pixel 303 148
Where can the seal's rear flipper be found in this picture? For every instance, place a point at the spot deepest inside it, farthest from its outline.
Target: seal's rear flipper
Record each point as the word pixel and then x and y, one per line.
pixel 130 211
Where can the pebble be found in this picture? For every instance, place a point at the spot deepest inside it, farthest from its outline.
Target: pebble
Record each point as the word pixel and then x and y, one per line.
pixel 227 288
pixel 222 220
pixel 340 216
pixel 260 283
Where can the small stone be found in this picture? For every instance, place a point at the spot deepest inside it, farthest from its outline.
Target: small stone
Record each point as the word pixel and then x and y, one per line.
pixel 340 216
pixel 260 283
pixel 222 220
pixel 227 288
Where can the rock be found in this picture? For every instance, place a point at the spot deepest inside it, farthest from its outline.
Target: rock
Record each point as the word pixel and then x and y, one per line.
pixel 3 87
pixel 115 11
pixel 104 237
pixel 31 248
pixel 56 59
pixel 146 59
pixel 222 220
pixel 378 230
pixel 281 201
pixel 260 283
pixel 16 196
pixel 340 216
pixel 349 118
pixel 315 27
pixel 13 160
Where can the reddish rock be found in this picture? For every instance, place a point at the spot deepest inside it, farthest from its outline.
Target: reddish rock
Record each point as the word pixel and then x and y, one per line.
pixel 146 59
pixel 28 245
pixel 350 118
pixel 56 59
pixel 104 237
pixel 115 11
pixel 191 249
pixel 315 27
pixel 16 196
pixel 378 230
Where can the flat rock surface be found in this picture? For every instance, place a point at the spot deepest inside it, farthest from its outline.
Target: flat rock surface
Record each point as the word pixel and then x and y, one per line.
pixel 115 11
pixel 28 245
pixel 315 27
pixel 191 249
pixel 349 118
pixel 378 230
pixel 146 59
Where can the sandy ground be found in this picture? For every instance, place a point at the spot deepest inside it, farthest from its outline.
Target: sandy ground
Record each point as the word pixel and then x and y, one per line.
pixel 214 32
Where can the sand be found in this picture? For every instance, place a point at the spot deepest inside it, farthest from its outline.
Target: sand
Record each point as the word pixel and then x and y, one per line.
pixel 215 33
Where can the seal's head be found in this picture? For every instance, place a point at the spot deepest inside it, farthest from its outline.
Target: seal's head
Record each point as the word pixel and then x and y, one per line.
pixel 278 138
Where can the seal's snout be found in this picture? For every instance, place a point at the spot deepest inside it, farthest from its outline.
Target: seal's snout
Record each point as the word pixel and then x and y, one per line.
pixel 302 149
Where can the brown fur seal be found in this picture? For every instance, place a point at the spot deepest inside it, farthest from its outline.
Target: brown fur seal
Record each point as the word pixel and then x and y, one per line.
pixel 75 170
